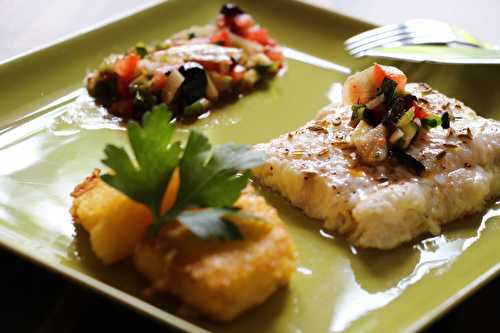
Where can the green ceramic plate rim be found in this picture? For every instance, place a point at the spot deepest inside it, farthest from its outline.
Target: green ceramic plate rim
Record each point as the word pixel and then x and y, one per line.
pixel 148 309
pixel 455 300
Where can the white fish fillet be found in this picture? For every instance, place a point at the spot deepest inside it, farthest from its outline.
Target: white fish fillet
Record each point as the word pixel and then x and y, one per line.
pixel 317 170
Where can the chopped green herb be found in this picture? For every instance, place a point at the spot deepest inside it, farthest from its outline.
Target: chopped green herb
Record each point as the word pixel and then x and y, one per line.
pixel 431 122
pixel 197 107
pixel 406 118
pixel 141 50
pixel 361 112
pixel 264 69
pixel 357 111
pixel 211 181
pixel 410 131
pixel 388 88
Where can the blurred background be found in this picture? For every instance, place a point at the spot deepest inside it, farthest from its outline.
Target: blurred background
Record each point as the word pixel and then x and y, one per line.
pixel 27 24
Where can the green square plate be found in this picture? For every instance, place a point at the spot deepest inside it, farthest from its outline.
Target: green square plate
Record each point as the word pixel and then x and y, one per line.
pixel 50 139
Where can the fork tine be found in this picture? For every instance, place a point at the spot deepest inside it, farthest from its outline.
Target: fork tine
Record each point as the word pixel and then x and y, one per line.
pixel 411 32
pixel 373 32
pixel 417 26
pixel 374 38
pixel 403 35
pixel 403 41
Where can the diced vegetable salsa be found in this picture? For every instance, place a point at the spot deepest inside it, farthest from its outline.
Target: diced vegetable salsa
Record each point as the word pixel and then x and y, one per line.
pixel 190 71
pixel 387 120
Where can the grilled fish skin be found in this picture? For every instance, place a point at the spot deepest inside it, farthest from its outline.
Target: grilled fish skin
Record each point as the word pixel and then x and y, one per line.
pixel 318 170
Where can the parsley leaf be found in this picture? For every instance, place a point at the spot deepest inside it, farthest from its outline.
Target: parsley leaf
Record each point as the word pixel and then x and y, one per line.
pixel 211 180
pixel 145 179
pixel 214 181
pixel 211 223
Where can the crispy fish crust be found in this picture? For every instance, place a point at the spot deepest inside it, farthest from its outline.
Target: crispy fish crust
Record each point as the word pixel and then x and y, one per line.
pixel 220 278
pixel 318 170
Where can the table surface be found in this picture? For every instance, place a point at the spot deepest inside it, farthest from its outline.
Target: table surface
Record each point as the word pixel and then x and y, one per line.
pixel 27 24
pixel 37 301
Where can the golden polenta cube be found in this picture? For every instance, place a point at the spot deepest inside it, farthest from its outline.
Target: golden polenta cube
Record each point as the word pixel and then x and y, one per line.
pixel 115 223
pixel 222 279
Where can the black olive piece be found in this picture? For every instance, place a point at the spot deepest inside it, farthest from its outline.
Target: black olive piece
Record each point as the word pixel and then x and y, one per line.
pixel 231 10
pixel 194 85
pixel 399 107
pixel 407 160
pixel 137 114
pixel 144 100
pixel 445 120
pixel 105 89
pixel 370 117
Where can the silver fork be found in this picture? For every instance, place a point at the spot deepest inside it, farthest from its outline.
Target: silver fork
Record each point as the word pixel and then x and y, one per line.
pixel 411 32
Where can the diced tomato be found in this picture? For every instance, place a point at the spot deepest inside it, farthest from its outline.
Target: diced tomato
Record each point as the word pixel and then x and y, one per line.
pixel 209 65
pixel 122 87
pixel 221 21
pixel 419 112
pixel 222 38
pixel 275 55
pixel 243 22
pixel 123 108
pixel 237 73
pixel 127 67
pixel 224 68
pixel 257 34
pixel 159 80
pixel 271 42
pixel 380 72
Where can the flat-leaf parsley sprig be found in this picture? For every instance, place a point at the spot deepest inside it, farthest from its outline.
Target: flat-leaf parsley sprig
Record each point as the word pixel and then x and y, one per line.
pixel 211 180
